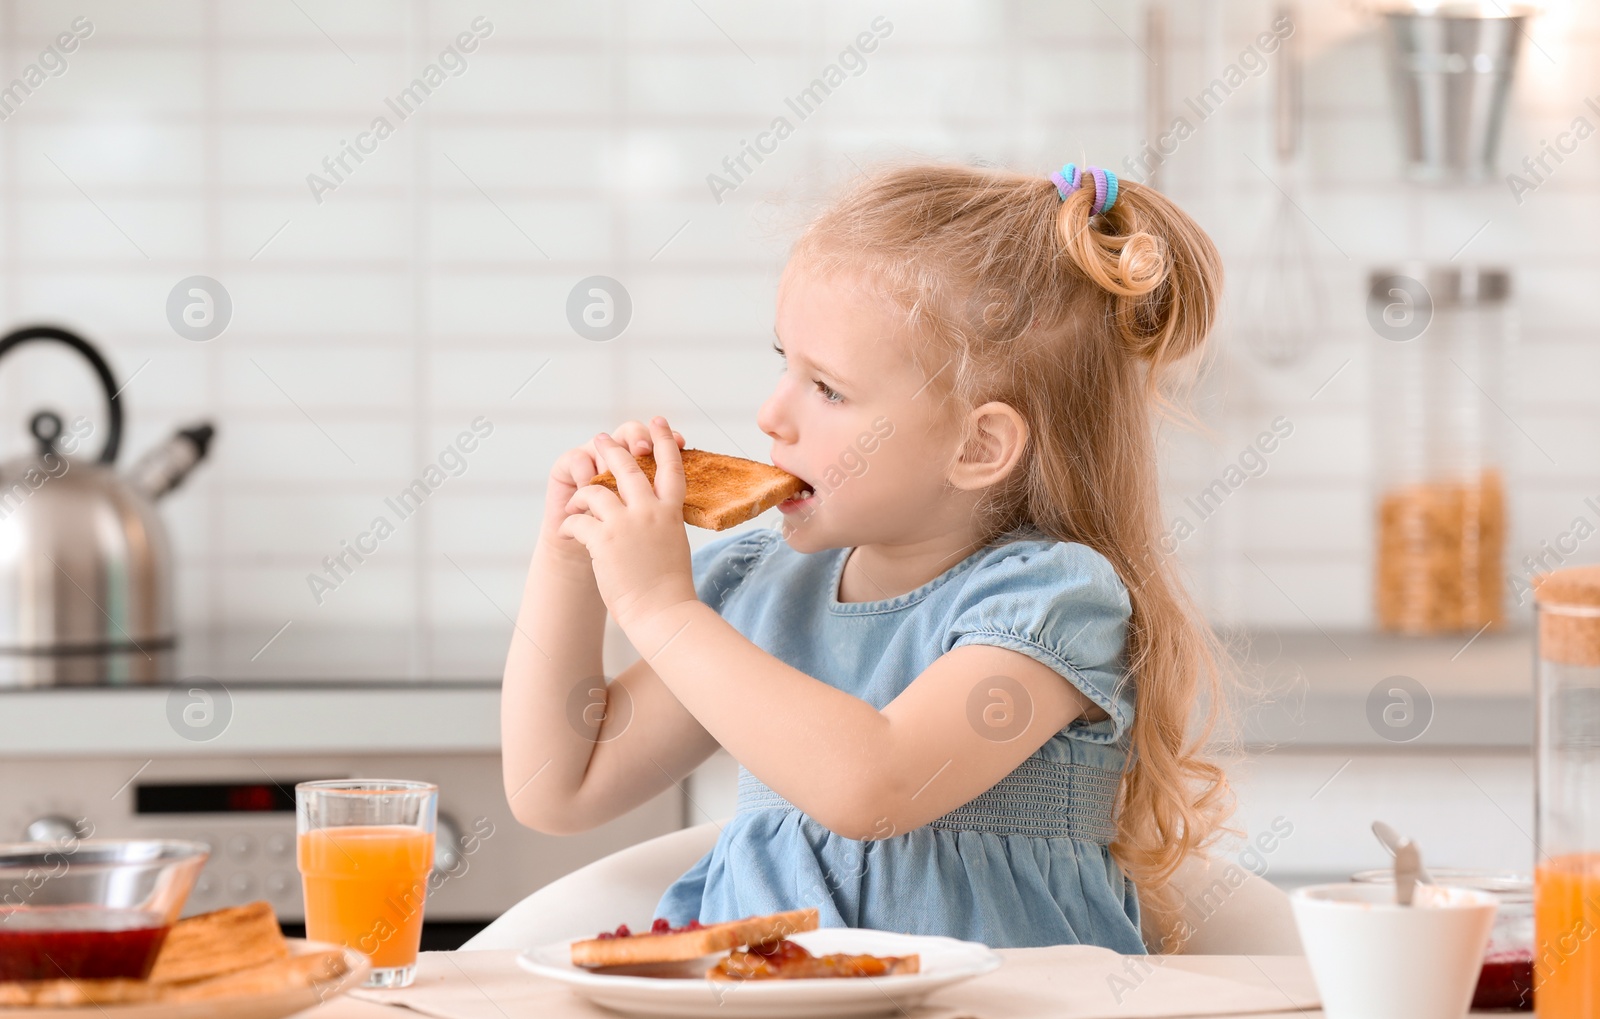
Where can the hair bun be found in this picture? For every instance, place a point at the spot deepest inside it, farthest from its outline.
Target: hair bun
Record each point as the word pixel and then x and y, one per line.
pixel 1142 265
pixel 1161 270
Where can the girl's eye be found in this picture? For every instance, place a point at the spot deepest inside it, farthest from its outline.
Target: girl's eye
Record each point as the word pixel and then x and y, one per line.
pixel 828 392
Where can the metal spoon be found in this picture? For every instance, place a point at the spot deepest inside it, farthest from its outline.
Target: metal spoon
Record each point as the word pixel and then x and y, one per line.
pixel 1392 840
pixel 1407 864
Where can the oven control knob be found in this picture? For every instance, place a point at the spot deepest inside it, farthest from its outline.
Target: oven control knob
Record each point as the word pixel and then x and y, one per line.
pixel 52 828
pixel 280 846
pixel 446 844
pixel 279 884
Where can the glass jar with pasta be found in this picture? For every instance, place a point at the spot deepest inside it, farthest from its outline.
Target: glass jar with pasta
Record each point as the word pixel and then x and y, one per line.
pixel 1439 384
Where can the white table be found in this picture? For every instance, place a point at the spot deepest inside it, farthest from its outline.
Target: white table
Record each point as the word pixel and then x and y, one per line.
pixel 979 996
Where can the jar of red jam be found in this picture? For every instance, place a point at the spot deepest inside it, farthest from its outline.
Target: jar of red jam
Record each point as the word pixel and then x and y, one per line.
pixel 1506 979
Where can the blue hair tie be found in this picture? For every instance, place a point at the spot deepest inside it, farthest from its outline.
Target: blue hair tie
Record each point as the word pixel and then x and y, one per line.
pixel 1069 178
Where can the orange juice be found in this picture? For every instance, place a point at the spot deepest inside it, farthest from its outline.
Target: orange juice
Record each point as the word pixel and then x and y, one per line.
pixel 1566 916
pixel 365 887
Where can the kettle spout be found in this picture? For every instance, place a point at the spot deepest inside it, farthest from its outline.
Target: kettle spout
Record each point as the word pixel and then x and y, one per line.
pixel 164 467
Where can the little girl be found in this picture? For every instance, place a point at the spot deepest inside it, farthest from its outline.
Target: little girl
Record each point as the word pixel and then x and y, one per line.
pixel 967 695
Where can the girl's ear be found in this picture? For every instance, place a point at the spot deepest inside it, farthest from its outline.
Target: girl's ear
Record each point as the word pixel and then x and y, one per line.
pixel 998 435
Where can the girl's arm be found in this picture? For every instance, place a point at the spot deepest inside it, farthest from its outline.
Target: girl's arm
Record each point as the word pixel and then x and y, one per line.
pixel 961 726
pixel 576 753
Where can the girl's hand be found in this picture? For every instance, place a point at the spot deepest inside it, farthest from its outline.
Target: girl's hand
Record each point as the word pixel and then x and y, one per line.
pixel 572 471
pixel 635 535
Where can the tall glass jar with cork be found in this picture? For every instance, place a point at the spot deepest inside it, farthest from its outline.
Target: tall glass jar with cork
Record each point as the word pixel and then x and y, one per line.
pixel 1438 385
pixel 1566 899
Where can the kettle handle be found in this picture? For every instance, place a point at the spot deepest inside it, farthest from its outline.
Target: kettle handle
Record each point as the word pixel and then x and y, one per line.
pixel 108 452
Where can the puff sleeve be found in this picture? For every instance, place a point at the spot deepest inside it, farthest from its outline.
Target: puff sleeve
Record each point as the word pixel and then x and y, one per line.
pixel 720 565
pixel 1063 605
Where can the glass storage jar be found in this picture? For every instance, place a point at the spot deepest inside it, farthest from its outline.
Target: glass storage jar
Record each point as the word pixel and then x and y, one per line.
pixel 1439 378
pixel 1567 793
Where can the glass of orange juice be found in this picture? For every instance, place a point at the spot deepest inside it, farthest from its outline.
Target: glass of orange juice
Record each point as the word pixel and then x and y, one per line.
pixel 365 851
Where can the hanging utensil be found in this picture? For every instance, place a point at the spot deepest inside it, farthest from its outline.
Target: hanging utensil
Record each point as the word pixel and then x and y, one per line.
pixel 1283 298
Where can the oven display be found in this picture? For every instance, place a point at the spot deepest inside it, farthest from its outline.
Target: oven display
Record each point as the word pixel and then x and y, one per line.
pixel 214 798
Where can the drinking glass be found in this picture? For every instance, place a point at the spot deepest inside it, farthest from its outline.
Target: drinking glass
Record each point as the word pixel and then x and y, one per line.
pixel 365 853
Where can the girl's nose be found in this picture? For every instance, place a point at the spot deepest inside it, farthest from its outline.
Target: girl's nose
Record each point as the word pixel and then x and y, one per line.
pixel 771 418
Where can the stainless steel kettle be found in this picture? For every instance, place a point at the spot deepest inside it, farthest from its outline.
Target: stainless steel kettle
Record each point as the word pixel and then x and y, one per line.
pixel 85 564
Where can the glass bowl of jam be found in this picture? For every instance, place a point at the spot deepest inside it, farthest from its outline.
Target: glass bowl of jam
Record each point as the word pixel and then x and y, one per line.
pixel 91 908
pixel 1506 980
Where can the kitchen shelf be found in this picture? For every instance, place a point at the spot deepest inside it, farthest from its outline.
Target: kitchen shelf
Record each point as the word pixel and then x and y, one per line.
pixel 1315 689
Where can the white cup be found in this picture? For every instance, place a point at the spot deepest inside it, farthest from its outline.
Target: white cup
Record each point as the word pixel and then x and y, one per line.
pixel 1375 959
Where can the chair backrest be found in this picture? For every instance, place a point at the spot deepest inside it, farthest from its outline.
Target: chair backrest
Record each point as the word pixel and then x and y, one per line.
pixel 1230 910
pixel 624 887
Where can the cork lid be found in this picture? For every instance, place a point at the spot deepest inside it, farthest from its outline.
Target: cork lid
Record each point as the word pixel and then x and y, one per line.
pixel 1575 586
pixel 1569 615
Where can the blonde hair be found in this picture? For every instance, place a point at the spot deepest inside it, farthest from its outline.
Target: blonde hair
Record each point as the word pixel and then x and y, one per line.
pixel 1083 325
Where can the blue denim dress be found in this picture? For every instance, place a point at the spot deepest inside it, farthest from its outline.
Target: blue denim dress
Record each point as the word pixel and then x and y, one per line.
pixel 1024 863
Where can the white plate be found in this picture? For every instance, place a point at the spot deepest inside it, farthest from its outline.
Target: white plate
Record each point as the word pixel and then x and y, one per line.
pixel 944 961
pixel 256 1006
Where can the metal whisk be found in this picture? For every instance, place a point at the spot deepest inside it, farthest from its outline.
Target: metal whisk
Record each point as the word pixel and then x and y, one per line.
pixel 1282 305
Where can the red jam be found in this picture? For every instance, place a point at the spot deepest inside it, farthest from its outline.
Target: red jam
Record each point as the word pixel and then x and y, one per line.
pixel 1505 982
pixel 659 926
pixel 781 951
pixel 51 942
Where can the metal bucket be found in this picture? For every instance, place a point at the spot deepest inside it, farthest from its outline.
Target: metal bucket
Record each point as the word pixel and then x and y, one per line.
pixel 1452 68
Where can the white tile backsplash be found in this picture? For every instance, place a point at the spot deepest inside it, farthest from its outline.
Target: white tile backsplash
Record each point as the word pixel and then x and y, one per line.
pixel 314 23
pixel 164 78
pixel 431 283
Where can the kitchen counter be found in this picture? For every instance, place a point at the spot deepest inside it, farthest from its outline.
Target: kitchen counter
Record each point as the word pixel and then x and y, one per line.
pixel 280 719
pixel 1314 759
pixel 297 691
pixel 317 690
pixel 1433 735
pixel 1329 690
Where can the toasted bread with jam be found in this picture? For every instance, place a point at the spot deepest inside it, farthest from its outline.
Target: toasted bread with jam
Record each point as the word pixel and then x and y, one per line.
pixel 785 960
pixel 686 943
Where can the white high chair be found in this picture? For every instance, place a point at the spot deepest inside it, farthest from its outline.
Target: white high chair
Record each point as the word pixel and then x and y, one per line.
pixel 1232 911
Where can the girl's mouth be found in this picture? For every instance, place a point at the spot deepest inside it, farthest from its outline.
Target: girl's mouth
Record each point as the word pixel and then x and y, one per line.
pixel 797 502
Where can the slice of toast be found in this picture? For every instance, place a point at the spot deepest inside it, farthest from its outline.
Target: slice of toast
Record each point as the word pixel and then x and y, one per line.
pixel 639 949
pixel 720 491
pixel 66 992
pixel 304 970
pixel 221 941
